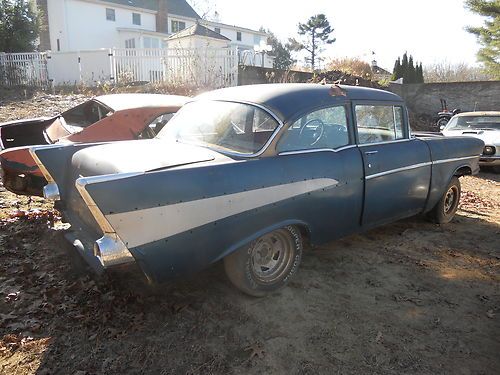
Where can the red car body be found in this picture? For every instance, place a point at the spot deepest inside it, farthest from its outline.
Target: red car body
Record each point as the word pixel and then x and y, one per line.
pixel 101 119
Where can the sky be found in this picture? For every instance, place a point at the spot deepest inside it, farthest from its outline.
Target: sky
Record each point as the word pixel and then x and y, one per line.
pixel 430 30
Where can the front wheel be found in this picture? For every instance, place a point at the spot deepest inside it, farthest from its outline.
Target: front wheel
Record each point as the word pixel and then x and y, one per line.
pixel 267 264
pixel 445 209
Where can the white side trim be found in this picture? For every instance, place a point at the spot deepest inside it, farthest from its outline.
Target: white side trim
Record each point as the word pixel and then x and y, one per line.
pixel 410 167
pixel 454 159
pixel 152 224
pixel 419 165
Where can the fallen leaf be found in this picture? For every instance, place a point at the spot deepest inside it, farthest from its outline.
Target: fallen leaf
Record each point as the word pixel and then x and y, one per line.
pixel 255 350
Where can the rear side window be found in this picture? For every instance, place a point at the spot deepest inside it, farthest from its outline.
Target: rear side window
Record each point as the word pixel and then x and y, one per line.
pixel 379 123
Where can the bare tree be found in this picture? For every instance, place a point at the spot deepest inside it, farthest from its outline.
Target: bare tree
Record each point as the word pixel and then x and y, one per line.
pixel 207 9
pixel 351 65
pixel 460 72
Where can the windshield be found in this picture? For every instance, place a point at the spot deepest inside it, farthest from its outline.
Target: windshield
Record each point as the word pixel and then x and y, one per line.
pixel 225 126
pixel 474 123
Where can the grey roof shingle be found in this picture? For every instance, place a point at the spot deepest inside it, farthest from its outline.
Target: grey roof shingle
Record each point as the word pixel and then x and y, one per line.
pixel 200 30
pixel 176 7
pixel 181 8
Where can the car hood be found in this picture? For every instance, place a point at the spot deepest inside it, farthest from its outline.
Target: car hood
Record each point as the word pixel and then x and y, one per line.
pixel 138 156
pixel 489 137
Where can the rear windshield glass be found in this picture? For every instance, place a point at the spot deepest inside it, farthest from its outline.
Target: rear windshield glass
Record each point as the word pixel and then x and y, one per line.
pixel 474 122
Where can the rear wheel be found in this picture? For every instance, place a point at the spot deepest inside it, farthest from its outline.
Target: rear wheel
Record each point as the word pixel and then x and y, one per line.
pixel 441 122
pixel 445 209
pixel 267 264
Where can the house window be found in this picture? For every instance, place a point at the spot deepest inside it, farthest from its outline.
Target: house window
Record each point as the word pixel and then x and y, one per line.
pixel 110 14
pixel 136 18
pixel 238 36
pixel 256 40
pixel 130 43
pixel 217 30
pixel 177 26
pixel 151 42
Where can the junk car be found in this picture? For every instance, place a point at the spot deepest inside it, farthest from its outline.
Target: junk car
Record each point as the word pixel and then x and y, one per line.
pixel 248 175
pixel 103 118
pixel 482 125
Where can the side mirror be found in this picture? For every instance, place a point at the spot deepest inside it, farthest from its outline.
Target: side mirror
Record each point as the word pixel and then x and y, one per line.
pixel 441 128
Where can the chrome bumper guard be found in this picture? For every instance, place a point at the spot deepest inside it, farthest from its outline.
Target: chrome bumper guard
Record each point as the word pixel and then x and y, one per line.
pixel 111 251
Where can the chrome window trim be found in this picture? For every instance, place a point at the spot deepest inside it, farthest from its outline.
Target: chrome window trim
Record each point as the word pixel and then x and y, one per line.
pixel 386 142
pixel 316 150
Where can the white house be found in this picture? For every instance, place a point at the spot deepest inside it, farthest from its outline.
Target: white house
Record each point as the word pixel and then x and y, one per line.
pixel 75 25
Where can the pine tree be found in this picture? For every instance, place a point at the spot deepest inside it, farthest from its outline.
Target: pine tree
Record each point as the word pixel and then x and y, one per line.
pixel 420 74
pixel 411 74
pixel 396 72
pixel 408 70
pixel 19 25
pixel 316 31
pixel 404 68
pixel 489 34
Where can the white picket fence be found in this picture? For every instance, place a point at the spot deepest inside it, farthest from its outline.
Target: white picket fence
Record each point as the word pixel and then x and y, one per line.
pixel 208 67
pixel 201 67
pixel 23 69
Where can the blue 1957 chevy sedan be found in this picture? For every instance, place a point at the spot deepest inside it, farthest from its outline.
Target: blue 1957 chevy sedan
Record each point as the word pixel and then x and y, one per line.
pixel 247 174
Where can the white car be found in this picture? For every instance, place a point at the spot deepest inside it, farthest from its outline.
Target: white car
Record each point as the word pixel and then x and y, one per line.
pixel 482 125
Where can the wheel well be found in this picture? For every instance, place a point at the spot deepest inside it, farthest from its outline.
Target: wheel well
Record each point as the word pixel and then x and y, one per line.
pixel 463 171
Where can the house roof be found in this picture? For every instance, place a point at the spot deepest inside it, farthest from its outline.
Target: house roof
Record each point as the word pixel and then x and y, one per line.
pixel 219 24
pixel 378 70
pixel 199 30
pixel 181 8
pixel 175 7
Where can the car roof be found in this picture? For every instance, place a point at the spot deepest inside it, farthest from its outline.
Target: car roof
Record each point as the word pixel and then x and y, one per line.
pixel 479 113
pixel 288 99
pixel 118 102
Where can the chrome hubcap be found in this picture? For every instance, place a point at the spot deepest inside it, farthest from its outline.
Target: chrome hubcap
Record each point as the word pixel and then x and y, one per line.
pixel 271 256
pixel 450 199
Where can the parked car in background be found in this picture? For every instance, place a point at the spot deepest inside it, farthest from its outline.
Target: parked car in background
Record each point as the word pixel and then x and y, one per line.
pixel 248 174
pixel 482 125
pixel 104 118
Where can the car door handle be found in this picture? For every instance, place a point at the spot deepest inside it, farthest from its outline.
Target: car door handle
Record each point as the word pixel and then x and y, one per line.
pixel 371 152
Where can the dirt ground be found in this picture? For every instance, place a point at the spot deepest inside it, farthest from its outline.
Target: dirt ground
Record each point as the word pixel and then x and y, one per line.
pixel 407 298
